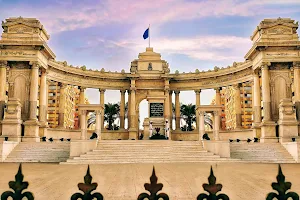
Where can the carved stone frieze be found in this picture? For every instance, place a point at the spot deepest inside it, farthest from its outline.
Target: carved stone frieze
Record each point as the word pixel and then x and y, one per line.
pixel 280 30
pixel 20 29
pixel 17 53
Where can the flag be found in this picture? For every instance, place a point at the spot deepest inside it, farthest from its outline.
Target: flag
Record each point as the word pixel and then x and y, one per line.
pixel 146 34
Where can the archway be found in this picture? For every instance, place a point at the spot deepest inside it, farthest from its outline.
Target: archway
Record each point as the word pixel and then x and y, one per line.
pixel 143 113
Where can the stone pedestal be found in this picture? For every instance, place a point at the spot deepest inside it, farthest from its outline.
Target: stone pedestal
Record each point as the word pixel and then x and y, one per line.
pixel 256 131
pixel 133 133
pixel 31 131
pixel 146 129
pixel 288 124
pixel 268 132
pixel 11 124
pixel 43 129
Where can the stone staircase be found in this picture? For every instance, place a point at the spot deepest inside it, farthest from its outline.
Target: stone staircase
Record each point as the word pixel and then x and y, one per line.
pixel 261 152
pixel 146 151
pixel 40 152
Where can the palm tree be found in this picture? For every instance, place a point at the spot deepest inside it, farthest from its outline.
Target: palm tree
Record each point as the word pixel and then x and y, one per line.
pixel 111 113
pixel 188 114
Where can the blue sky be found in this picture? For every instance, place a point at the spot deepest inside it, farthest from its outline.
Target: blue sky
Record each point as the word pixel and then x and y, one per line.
pixel 189 34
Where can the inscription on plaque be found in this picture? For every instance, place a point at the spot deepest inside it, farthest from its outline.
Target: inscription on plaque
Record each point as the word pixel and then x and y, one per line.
pixel 156 109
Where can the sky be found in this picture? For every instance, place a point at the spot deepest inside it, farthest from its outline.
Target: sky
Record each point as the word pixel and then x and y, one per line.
pixel 189 34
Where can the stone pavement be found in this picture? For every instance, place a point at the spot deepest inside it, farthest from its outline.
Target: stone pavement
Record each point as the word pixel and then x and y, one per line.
pixel 241 181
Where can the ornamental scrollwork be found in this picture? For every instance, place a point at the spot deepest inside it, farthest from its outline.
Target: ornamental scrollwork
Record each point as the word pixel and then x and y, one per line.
pixel 87 187
pixel 212 188
pixel 282 187
pixel 153 188
pixel 18 186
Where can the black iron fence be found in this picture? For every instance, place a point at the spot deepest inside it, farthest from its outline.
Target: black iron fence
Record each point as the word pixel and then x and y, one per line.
pixel 88 188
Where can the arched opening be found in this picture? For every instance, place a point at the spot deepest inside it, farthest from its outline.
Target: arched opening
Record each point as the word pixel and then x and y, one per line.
pixel 143 112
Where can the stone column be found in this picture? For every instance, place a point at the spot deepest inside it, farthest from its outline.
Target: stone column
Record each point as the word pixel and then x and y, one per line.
pixel 266 93
pixel 197 104
pixel 83 124
pixel 167 105
pixel 128 108
pixel 81 95
pixel 268 131
pixel 43 99
pixel 171 110
pixel 102 91
pixel 201 125
pixel 218 100
pixel 32 124
pixel 61 110
pixel 256 105
pixel 216 125
pixel 43 104
pixel 98 124
pixel 122 109
pixel 296 66
pixel 34 86
pixel 238 107
pixel 132 116
pixel 3 65
pixel 177 110
pixel 81 100
pixel 218 96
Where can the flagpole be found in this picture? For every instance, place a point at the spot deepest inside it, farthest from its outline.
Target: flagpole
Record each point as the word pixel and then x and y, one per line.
pixel 149 35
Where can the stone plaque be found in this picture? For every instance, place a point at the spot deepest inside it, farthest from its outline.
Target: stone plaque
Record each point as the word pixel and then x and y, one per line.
pixel 156 109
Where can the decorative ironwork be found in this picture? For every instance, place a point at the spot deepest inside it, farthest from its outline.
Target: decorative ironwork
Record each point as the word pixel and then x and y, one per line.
pixel 212 188
pixel 153 188
pixel 87 187
pixel 18 186
pixel 282 187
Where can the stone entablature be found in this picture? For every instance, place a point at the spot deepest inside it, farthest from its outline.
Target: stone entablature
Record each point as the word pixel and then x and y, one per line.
pixel 61 72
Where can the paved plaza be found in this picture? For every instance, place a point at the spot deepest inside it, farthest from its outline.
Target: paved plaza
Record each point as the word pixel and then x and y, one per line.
pixel 241 181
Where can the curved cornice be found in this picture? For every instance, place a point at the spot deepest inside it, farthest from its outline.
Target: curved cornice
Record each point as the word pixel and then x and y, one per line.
pixel 61 72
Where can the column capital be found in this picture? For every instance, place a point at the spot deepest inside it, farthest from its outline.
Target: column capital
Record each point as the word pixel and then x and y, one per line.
pixel 34 64
pixel 216 113
pixel 97 112
pixel 171 92
pixel 3 63
pixel 296 65
pixel 129 91
pixel 198 91
pixel 265 65
pixel 123 91
pixel 62 85
pixel 81 88
pixel 201 113
pixel 102 90
pixel 218 89
pixel 237 86
pixel 132 89
pixel 83 112
pixel 177 91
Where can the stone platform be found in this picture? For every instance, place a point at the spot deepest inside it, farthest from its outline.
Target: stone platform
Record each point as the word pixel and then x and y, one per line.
pixel 241 181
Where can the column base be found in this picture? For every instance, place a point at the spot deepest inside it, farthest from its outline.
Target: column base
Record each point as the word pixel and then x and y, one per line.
pixel 31 131
pixel 12 129
pixel 133 134
pixel 268 132
pixel 43 129
pixel 257 132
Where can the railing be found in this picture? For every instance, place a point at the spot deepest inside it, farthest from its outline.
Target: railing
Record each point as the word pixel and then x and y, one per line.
pixel 87 189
